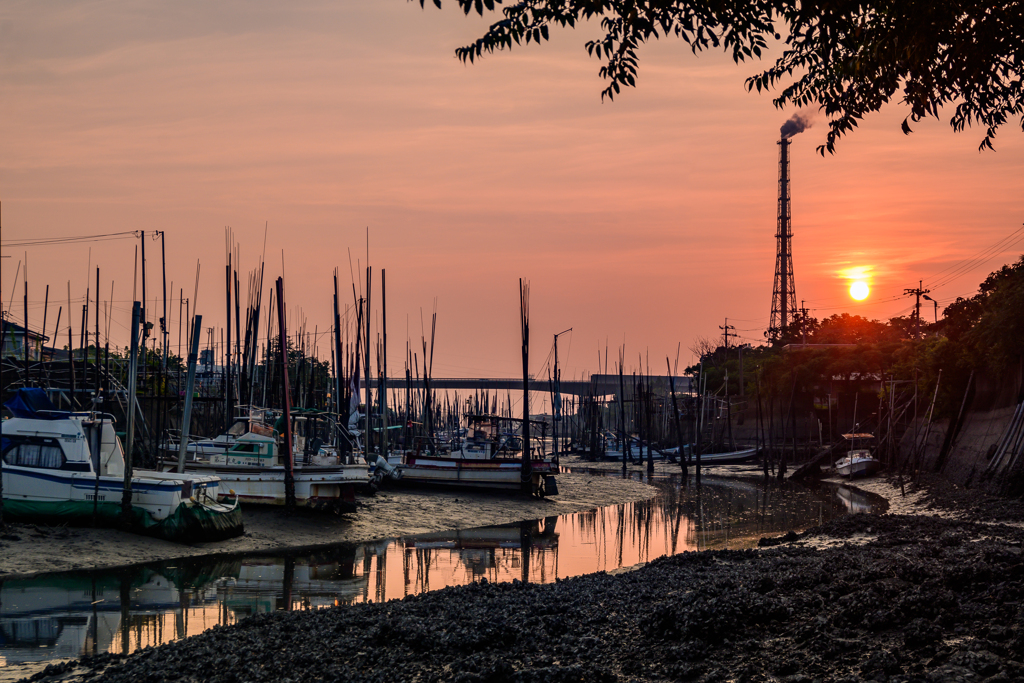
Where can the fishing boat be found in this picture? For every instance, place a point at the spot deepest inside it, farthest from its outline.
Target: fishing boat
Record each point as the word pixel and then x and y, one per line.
pixel 254 468
pixel 858 462
pixel 487 458
pixel 68 467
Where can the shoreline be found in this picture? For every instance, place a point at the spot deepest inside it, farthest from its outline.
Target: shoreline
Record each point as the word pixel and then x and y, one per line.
pixel 28 550
pixel 936 594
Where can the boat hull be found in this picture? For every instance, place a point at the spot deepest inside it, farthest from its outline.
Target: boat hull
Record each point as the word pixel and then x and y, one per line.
pixel 495 474
pixel 331 488
pixel 860 467
pixel 730 458
pixel 171 508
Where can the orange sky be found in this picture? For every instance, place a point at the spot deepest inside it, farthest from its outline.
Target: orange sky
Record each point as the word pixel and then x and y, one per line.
pixel 648 220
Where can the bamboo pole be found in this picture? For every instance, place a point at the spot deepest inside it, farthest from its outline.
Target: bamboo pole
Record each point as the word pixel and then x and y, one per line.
pixel 289 479
pixel 384 367
pixel 526 473
pixel 190 382
pixel 126 494
pixel 675 413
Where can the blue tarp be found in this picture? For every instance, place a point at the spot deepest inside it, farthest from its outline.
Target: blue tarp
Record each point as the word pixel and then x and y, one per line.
pixel 34 404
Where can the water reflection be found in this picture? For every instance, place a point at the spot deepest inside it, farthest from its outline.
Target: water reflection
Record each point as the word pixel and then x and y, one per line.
pixel 68 615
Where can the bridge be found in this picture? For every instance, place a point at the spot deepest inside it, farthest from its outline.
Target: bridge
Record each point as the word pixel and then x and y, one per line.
pixel 598 385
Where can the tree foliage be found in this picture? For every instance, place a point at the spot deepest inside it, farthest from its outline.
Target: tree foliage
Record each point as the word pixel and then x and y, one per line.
pixel 980 334
pixel 847 57
pixel 990 325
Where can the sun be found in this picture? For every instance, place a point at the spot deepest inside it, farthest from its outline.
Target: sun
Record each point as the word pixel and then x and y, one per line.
pixel 859 290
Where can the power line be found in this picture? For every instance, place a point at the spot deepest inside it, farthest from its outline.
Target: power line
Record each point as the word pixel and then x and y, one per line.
pixel 963 267
pixel 70 240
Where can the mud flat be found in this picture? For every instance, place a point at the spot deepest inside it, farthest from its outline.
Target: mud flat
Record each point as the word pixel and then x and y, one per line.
pixel 31 549
pixel 924 598
pixel 933 596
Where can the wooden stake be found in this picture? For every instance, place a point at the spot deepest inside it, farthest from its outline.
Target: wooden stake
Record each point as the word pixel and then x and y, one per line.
pixel 289 478
pixel 526 473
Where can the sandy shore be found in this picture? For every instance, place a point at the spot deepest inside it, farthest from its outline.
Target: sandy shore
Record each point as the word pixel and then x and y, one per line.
pixel 33 549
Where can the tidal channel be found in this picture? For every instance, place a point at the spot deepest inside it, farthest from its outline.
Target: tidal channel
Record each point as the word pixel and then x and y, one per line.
pixel 65 616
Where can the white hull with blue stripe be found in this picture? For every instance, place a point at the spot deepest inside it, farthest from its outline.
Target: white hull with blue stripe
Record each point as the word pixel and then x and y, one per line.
pixel 68 467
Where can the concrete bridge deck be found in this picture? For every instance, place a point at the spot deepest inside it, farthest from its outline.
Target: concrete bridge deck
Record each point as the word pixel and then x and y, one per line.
pixel 600 385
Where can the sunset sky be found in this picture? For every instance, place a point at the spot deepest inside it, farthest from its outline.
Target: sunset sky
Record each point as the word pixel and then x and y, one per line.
pixel 647 220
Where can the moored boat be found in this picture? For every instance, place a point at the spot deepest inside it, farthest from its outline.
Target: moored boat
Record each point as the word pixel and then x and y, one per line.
pixel 858 462
pixel 486 459
pixel 254 468
pixel 65 467
pixel 726 458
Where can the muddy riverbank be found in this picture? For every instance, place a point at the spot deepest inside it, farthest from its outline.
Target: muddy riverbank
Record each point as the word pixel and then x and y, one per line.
pixel 922 597
pixel 30 549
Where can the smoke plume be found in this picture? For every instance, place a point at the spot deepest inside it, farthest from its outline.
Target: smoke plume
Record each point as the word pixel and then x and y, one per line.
pixel 797 123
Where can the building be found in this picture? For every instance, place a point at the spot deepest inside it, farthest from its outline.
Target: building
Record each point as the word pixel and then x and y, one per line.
pixel 12 341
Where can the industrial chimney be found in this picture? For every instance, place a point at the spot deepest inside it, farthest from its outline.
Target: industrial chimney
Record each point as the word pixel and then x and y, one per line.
pixel 784 291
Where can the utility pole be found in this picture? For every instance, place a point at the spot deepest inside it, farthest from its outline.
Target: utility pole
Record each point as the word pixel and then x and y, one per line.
pixel 936 304
pixel 803 320
pixel 917 292
pixel 726 329
pixel 741 347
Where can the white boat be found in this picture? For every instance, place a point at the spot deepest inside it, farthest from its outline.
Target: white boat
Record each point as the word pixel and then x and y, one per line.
pixel 858 462
pixel 727 458
pixel 254 469
pixel 485 459
pixel 706 459
pixel 206 447
pixel 69 467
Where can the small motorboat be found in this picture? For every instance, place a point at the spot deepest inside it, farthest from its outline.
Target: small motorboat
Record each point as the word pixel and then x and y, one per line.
pixel 487 458
pixel 858 462
pixel 726 458
pixel 254 468
pixel 68 467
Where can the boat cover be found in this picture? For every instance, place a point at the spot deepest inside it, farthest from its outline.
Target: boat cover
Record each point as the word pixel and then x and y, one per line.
pixel 33 404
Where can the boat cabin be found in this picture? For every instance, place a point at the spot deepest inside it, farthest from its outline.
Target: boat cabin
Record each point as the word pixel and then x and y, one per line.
pixel 74 442
pixel 491 436
pixel 254 450
pixel 859 461
pixel 860 443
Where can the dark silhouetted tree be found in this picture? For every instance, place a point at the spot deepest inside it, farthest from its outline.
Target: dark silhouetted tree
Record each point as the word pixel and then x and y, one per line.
pixel 847 57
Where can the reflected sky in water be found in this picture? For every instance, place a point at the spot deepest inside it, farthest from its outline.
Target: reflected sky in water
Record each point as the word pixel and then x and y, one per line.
pixel 63 616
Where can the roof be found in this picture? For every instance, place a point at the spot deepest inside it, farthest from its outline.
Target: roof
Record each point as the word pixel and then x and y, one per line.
pixel 9 326
pixel 252 436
